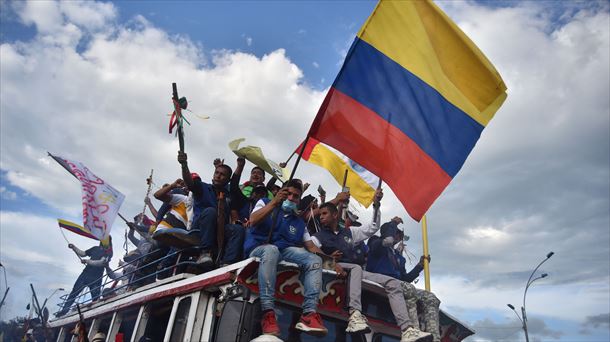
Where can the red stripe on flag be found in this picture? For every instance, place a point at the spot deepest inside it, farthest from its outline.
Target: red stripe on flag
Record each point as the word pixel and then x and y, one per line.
pixel 369 140
pixel 311 144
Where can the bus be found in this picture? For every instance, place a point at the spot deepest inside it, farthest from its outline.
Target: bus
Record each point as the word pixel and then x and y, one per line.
pixel 222 305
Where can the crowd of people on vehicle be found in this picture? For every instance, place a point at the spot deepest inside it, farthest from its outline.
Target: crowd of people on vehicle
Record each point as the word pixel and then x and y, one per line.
pixel 229 222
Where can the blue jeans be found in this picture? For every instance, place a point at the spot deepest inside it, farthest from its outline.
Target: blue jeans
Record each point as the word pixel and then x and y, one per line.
pixel 92 280
pixel 234 236
pixel 311 274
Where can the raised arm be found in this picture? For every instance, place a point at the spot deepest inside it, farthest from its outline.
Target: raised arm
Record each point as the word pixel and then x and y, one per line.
pixel 151 207
pixel 76 250
pixel 131 236
pixel 237 197
pixel 366 231
pixel 164 194
pixel 414 273
pixel 186 174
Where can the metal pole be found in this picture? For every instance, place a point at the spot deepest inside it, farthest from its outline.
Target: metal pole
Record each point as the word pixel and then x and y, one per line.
pixel 527 337
pixel 424 235
pixel 530 282
pixel 4 297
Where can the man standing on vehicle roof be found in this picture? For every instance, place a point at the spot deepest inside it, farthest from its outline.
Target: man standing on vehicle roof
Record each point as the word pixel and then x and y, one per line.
pixel 206 200
pixel 341 243
pixel 288 237
pixel 91 277
pixel 385 256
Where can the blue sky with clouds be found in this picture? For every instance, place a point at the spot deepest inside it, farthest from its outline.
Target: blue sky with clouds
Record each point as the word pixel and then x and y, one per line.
pixel 91 81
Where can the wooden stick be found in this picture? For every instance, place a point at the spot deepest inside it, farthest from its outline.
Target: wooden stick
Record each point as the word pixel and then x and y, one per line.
pixel 178 110
pixel 376 204
pixel 424 235
pixel 149 180
pixel 275 212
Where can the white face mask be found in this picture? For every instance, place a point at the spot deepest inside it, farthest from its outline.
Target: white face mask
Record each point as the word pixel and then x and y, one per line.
pixel 399 246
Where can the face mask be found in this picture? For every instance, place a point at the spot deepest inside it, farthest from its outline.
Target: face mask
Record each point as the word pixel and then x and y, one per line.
pixel 289 206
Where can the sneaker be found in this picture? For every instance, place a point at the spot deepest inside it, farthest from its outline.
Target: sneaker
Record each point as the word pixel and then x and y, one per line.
pixel 269 324
pixel 205 260
pixel 415 335
pixel 357 323
pixel 311 323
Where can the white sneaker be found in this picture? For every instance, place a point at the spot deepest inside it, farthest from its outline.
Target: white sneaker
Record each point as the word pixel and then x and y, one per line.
pixel 357 323
pixel 415 335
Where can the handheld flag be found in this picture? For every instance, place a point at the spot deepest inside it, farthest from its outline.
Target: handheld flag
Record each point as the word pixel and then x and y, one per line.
pixel 76 229
pixel 410 101
pixel 101 202
pixel 360 181
pixel 177 119
pixel 255 155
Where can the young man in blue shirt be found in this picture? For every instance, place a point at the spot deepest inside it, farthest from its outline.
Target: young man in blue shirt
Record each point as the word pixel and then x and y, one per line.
pixel 208 201
pixel 289 241
pixel 385 256
pixel 341 242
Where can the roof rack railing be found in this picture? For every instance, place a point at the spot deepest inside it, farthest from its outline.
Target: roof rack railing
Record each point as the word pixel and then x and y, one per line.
pixel 137 278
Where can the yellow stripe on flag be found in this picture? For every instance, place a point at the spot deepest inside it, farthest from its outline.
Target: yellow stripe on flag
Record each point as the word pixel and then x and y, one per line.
pixel 359 189
pixel 422 39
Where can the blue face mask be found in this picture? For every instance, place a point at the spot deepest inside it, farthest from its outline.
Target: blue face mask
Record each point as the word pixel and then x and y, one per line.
pixel 289 206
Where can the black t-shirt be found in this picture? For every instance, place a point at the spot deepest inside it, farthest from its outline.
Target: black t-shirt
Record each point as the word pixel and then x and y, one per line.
pixel 97 253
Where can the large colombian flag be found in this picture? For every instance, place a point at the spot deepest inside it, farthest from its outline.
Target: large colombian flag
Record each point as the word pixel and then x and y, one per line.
pixel 410 101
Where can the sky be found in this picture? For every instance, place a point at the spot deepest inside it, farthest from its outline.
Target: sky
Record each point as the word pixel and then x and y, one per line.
pixel 91 81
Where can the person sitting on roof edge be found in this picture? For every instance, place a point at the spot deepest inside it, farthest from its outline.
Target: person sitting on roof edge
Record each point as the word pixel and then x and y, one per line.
pixel 385 257
pixel 341 243
pixel 288 237
pixel 414 297
pixel 91 276
pixel 206 216
pixel 177 216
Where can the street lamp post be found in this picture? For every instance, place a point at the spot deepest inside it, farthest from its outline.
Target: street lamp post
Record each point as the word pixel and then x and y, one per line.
pixel 49 297
pixel 530 281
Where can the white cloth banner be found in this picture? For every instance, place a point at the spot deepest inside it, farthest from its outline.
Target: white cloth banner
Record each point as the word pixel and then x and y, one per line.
pixel 101 202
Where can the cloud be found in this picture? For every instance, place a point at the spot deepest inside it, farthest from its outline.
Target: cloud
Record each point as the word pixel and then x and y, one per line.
pixel 7 194
pixel 597 321
pixel 511 330
pixel 100 94
pixel 488 330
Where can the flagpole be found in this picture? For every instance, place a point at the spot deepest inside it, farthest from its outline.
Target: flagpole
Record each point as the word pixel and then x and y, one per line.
pixel 343 207
pixel 296 164
pixel 424 235
pixel 69 243
pixel 121 216
pixel 149 181
pixel 376 204
pixel 292 155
